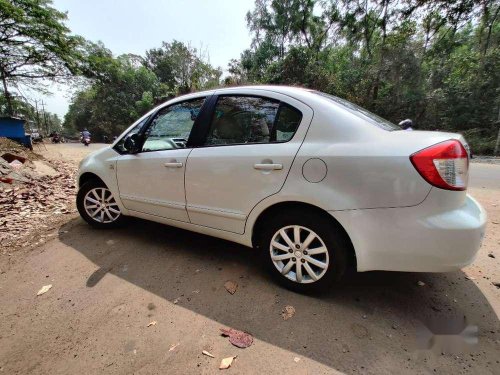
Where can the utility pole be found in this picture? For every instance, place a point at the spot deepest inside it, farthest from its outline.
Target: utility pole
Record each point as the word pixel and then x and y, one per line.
pixel 37 117
pixel 45 119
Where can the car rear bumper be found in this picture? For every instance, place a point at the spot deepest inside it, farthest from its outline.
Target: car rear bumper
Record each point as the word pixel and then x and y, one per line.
pixel 429 237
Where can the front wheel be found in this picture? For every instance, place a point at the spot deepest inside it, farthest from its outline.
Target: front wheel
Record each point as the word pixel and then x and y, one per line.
pixel 97 206
pixel 304 250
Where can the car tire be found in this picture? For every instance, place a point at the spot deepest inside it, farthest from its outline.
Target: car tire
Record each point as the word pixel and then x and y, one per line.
pixel 103 215
pixel 327 234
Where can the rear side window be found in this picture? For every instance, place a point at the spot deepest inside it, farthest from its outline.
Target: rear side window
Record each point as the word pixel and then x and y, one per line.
pixel 372 118
pixel 250 119
pixel 287 123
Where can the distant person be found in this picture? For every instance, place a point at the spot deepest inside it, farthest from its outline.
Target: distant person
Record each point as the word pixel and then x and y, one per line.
pixel 105 138
pixel 85 133
pixel 406 124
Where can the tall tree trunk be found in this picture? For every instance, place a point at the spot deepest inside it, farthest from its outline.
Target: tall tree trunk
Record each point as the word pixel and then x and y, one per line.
pixel 8 98
pixel 490 27
pixel 376 86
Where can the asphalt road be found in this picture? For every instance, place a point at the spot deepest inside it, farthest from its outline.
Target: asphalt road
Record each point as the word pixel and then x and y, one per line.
pixel 108 286
pixel 485 176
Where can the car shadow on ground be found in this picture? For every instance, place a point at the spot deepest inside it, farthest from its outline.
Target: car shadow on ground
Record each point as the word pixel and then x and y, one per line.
pixel 366 319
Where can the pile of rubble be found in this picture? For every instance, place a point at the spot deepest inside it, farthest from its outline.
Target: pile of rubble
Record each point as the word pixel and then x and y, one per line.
pixel 34 194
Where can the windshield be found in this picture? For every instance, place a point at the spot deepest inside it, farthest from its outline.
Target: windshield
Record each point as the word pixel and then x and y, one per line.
pixel 361 112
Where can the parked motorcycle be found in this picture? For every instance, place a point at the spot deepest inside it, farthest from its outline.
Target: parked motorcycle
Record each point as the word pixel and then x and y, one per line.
pixel 56 138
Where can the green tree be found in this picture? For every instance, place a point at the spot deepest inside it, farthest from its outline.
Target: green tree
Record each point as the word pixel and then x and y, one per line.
pixel 434 61
pixel 35 45
pixel 180 69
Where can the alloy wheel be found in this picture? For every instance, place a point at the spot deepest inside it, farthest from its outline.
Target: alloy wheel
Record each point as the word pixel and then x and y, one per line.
pixel 299 254
pixel 100 205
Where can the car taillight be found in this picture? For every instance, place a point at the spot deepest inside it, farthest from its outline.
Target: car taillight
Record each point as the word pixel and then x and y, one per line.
pixel 444 165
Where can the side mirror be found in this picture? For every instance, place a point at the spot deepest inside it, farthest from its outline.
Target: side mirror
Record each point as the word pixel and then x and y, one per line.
pixel 406 124
pixel 132 143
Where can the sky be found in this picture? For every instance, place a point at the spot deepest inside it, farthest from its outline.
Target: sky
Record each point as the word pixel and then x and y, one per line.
pixel 133 26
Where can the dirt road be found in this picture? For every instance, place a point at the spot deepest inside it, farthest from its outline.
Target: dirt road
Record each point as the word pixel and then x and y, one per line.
pixel 72 152
pixel 107 286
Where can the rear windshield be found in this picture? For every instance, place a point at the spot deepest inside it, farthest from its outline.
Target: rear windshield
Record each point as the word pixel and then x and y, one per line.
pixel 361 112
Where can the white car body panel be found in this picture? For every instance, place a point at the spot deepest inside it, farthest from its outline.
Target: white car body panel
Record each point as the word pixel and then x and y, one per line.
pixel 428 237
pixel 148 184
pixel 356 172
pixel 229 171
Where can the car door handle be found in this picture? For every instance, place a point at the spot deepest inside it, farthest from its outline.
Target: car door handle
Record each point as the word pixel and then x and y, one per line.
pixel 173 164
pixel 268 167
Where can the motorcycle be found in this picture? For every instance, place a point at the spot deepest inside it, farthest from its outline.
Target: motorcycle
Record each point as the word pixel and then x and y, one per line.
pixel 56 138
pixel 86 141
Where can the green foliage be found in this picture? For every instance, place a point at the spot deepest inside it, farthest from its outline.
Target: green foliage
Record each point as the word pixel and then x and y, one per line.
pixel 437 62
pixel 122 89
pixel 180 69
pixel 35 45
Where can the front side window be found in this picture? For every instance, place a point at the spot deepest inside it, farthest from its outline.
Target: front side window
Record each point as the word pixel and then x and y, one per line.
pixel 249 119
pixel 120 146
pixel 172 126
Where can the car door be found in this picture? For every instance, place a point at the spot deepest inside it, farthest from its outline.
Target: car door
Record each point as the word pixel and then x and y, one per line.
pixel 251 142
pixel 152 180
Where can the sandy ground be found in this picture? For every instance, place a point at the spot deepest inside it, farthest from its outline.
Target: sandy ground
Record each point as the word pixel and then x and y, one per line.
pixel 107 286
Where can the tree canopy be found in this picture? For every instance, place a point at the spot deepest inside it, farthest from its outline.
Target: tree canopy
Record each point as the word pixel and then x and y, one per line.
pixel 436 62
pixel 35 45
pixel 122 88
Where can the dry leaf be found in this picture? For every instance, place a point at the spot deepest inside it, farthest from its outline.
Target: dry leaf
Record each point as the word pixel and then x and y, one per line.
pixel 207 354
pixel 153 323
pixel 226 362
pixel 238 338
pixel 172 347
pixel 231 286
pixel 296 359
pixel 44 289
pixel 287 312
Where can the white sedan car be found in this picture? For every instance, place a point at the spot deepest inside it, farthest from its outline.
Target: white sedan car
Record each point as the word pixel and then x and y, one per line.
pixel 314 183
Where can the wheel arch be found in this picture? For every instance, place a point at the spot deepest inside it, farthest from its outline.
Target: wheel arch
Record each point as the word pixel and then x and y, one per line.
pixel 87 176
pixel 294 205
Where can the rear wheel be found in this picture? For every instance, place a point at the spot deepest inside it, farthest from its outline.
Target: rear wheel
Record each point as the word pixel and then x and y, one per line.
pixel 304 250
pixel 97 206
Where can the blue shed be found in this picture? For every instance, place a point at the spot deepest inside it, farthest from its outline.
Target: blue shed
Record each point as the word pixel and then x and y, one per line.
pixel 13 128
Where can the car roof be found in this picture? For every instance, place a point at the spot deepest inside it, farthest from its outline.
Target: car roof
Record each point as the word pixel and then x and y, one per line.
pixel 287 90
